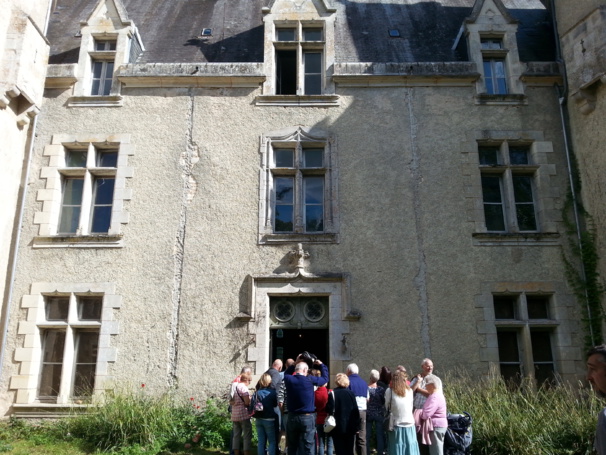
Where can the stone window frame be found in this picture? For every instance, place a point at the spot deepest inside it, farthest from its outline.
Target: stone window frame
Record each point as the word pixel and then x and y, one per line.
pixel 29 356
pixel 96 28
pixel 491 20
pixel 51 195
pixel 547 197
pixel 293 137
pixel 562 324
pixel 299 17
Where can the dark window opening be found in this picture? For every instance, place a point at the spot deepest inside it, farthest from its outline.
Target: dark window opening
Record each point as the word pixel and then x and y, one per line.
pixel 286 77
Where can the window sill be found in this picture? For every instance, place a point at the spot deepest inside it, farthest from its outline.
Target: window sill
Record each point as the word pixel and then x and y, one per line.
pixel 269 239
pixel 79 241
pixel 517 239
pixel 96 101
pixel 500 100
pixel 46 410
pixel 297 100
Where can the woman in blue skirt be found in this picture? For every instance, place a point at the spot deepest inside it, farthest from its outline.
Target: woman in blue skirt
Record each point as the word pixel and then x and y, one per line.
pixel 398 403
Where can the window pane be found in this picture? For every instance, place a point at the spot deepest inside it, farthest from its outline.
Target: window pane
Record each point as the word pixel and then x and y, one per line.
pixel 86 346
pixel 493 206
pixel 56 308
pixel 493 214
pixel 488 78
pixel 508 347
pixel 313 73
pixel 491 44
pixel 284 221
pixel 75 158
pixel 505 307
pixel 89 308
pixel 522 188
pixel 314 218
pixel 284 218
pixel 538 307
pixel 285 34
pixel 286 72
pixel 313 158
pixel 518 155
pixel 104 190
pixel 313 62
pixel 541 346
pixel 53 344
pixel 284 157
pixel 489 156
pixel 314 190
pixel 526 217
pixel 72 201
pixel 312 34
pixel 284 190
pixel 491 189
pixel 313 84
pixel 101 219
pixel 314 204
pixel 107 158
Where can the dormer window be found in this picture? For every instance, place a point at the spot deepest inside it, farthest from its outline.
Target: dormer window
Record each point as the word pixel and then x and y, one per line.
pixel 299 59
pixel 493 59
pixel 102 59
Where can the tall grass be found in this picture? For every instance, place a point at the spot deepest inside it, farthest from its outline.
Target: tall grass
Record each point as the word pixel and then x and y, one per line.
pixel 559 420
pixel 151 423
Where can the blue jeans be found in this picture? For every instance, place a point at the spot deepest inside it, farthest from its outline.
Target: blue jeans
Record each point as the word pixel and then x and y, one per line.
pixel 380 431
pixel 266 433
pixel 322 438
pixel 301 430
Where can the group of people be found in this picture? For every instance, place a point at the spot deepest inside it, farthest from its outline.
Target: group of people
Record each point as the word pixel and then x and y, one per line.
pixel 408 417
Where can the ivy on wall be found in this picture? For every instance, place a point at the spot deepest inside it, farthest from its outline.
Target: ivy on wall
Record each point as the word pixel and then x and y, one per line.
pixel 582 274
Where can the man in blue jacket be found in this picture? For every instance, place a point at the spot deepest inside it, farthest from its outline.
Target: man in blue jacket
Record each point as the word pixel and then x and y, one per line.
pixel 360 389
pixel 301 424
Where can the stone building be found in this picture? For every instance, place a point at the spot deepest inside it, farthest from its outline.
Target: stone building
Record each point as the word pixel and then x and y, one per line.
pixel 220 183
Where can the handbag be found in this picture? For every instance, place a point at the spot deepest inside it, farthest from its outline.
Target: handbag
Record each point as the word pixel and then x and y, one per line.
pixel 391 418
pixel 330 423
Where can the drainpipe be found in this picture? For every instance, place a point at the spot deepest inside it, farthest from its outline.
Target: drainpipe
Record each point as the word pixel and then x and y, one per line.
pixel 12 266
pixel 562 93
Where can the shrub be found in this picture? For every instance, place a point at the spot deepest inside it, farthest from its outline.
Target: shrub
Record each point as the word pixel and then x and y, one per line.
pixel 559 419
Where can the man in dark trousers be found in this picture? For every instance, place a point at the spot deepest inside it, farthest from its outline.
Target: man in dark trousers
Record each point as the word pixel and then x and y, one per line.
pixel 301 424
pixel 360 389
pixel 276 381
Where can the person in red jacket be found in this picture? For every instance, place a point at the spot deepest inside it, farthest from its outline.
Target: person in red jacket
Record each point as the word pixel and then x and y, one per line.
pixel 323 440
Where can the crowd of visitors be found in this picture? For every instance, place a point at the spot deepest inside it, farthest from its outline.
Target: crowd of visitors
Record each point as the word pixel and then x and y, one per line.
pixel 291 407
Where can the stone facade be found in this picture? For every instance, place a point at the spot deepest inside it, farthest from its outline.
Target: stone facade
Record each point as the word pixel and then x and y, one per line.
pixel 23 62
pixel 582 33
pixel 200 269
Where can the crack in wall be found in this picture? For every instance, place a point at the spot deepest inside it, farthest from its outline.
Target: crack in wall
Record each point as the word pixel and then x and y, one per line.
pixel 189 157
pixel 420 279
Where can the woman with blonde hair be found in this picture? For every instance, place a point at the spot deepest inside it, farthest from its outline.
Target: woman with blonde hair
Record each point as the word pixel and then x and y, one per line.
pixel 240 418
pixel 342 404
pixel 266 419
pixel 398 403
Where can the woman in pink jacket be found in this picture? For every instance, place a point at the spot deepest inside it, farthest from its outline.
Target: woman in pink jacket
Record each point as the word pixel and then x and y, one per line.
pixel 435 409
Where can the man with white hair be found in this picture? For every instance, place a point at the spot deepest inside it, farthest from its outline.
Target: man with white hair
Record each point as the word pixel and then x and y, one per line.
pixel 360 389
pixel 301 424
pixel 418 384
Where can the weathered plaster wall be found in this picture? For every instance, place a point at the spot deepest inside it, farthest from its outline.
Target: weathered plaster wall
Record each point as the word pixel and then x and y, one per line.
pixel 191 242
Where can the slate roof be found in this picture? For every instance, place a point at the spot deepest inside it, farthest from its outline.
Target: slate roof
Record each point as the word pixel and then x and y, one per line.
pixel 428 30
